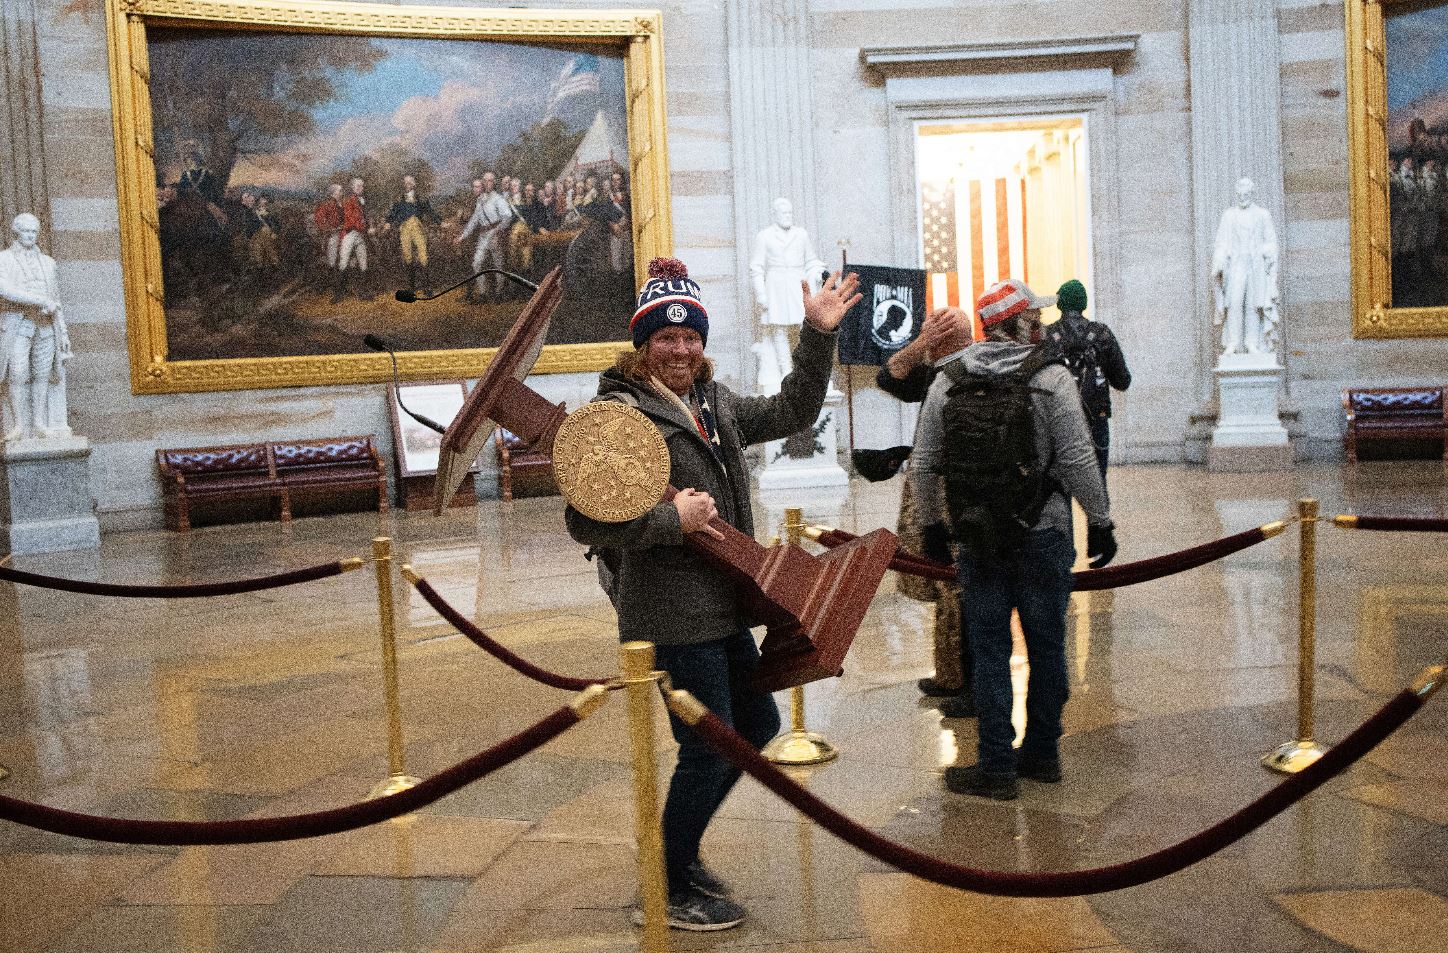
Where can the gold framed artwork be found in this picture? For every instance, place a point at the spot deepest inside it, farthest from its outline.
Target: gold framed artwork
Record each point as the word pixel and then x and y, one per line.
pixel 285 167
pixel 1397 71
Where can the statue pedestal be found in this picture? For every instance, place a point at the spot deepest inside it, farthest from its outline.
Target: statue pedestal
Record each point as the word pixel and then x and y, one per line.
pixel 45 495
pixel 1249 436
pixel 807 459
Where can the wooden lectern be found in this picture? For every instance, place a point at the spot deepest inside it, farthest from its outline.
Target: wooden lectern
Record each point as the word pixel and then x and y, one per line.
pixel 812 605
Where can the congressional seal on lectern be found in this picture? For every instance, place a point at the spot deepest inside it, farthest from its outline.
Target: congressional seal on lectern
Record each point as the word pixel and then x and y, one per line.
pixel 610 461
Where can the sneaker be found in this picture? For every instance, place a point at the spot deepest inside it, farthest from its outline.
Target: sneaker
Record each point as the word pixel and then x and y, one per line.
pixel 1039 769
pixel 958 706
pixel 972 780
pixel 933 689
pixel 705 881
pixel 693 910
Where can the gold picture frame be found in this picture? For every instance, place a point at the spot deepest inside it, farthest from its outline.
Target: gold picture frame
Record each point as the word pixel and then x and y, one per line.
pixel 1371 240
pixel 632 35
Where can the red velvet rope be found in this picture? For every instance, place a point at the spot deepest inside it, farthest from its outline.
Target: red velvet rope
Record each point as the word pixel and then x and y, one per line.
pixel 296 826
pixel 1072 883
pixel 1145 570
pixel 1087 580
pixel 181 591
pixel 1408 524
pixel 497 649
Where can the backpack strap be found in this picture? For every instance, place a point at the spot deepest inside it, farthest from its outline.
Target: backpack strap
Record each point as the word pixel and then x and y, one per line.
pixel 1042 356
pixel 956 371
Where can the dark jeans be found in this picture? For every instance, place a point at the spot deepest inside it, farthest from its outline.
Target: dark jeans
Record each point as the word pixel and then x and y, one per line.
pixel 1038 583
pixel 717 673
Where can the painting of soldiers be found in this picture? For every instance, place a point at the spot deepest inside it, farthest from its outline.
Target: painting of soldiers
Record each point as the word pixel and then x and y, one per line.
pixel 291 240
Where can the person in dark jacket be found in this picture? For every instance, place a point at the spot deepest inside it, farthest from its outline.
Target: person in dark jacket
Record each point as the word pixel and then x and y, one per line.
pixel 1095 360
pixel 906 376
pixel 666 592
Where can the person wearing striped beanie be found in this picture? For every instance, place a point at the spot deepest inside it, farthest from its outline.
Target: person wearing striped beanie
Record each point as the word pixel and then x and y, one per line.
pixel 670 593
pixel 1004 427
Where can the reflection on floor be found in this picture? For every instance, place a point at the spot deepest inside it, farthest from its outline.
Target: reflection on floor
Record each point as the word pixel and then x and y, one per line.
pixel 272 703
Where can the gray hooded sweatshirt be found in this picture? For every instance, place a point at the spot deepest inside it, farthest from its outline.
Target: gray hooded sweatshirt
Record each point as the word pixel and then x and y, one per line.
pixel 1062 438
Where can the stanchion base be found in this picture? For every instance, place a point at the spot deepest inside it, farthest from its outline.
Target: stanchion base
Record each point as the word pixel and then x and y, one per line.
pixel 1293 756
pixel 394 784
pixel 800 747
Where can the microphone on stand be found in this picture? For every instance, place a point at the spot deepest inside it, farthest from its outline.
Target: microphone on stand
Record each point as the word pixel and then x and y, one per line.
pixel 382 344
pixel 408 296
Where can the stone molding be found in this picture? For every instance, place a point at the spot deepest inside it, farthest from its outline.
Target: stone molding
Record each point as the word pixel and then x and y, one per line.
pixel 1110 50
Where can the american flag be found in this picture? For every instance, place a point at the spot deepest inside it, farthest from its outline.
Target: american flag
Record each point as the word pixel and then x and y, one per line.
pixel 579 77
pixel 972 234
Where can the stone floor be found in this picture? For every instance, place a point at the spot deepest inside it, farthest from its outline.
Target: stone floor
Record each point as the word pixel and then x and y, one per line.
pixel 272 703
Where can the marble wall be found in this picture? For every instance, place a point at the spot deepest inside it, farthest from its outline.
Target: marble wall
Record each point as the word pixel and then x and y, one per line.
pixel 1165 415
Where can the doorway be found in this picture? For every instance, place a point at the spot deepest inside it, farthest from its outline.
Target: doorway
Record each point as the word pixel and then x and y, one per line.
pixel 1002 198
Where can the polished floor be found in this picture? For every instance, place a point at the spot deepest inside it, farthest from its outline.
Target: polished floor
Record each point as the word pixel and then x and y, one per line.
pixel 273 703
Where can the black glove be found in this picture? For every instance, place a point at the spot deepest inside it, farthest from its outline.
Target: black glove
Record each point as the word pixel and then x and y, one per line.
pixel 1100 544
pixel 877 465
pixel 935 543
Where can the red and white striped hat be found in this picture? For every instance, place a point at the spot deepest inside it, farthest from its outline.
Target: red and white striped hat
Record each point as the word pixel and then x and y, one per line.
pixel 1008 298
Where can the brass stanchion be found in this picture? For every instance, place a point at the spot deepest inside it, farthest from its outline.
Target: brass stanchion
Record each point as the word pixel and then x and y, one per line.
pixel 798 745
pixel 641 682
pixel 1293 756
pixel 397 777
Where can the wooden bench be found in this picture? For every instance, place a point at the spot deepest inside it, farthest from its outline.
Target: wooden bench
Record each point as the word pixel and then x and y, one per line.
pixel 278 469
pixel 1401 414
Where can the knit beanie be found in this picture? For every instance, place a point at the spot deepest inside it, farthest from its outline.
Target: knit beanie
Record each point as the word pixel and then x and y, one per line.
pixel 1006 299
pixel 668 297
pixel 1071 296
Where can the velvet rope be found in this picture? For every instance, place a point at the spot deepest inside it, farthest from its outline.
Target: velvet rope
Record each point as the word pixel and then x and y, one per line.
pixel 1402 524
pixel 296 826
pixel 1145 570
pixel 497 649
pixel 181 591
pixel 1073 883
pixel 1087 580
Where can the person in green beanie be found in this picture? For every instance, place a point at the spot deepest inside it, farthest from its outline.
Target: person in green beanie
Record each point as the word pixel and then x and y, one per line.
pixel 1095 359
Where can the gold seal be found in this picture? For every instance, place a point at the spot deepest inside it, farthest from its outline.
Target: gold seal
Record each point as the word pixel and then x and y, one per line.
pixel 610 462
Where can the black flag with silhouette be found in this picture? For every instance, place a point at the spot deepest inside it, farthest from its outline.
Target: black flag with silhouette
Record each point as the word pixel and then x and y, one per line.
pixel 888 317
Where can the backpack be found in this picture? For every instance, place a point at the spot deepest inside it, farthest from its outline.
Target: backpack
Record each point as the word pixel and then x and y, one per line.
pixel 995 487
pixel 1078 353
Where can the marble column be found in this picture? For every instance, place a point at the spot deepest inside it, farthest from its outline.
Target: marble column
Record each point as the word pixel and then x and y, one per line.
pixel 772 127
pixel 772 130
pixel 22 141
pixel 1236 132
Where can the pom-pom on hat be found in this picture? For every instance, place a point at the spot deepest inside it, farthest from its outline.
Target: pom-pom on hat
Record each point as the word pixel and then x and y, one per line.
pixel 1006 299
pixel 669 297
pixel 1071 296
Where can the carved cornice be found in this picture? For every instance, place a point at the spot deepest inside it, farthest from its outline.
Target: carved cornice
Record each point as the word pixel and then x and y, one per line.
pixel 1111 50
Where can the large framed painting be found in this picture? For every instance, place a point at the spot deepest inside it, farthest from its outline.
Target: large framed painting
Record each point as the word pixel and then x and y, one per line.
pixel 286 167
pixel 1398 146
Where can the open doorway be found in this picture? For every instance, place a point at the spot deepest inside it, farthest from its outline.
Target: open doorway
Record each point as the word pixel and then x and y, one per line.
pixel 1002 198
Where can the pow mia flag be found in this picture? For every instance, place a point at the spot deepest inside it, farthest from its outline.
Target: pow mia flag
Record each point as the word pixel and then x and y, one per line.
pixel 888 316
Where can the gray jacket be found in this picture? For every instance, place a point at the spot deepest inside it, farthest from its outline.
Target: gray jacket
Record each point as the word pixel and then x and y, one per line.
pixel 1062 438
pixel 667 592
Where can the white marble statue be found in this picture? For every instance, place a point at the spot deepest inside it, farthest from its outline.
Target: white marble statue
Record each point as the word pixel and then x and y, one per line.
pixel 33 339
pixel 1244 276
pixel 783 257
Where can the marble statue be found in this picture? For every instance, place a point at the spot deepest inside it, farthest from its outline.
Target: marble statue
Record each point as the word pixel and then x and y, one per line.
pixel 783 257
pixel 1244 277
pixel 33 339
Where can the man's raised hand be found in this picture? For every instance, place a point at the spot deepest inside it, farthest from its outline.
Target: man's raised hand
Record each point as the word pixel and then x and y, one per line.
pixel 826 308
